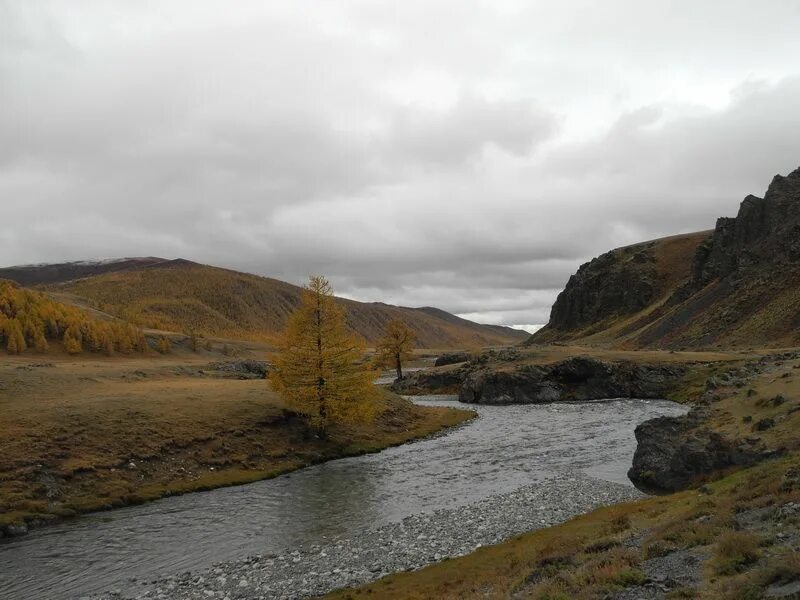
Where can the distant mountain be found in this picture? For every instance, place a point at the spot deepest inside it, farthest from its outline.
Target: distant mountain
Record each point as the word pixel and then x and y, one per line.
pixel 180 295
pixel 30 275
pixel 738 285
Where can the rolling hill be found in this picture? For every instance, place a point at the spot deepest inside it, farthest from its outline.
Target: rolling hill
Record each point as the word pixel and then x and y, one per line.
pixel 735 286
pixel 180 295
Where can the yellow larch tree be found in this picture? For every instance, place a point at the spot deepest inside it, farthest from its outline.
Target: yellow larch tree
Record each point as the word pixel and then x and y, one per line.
pixel 396 346
pixel 16 340
pixel 320 371
pixel 29 319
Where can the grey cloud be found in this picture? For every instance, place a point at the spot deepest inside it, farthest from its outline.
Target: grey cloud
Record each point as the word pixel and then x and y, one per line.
pixel 417 153
pixel 463 132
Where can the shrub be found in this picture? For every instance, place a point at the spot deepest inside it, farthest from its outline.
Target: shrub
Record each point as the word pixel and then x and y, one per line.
pixel 163 346
pixel 734 551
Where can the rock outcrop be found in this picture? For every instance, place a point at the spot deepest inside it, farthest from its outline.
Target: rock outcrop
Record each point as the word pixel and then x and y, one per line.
pixel 575 379
pixel 451 358
pixel 242 369
pixel 675 452
pixel 443 381
pixel 766 231
pixel 619 282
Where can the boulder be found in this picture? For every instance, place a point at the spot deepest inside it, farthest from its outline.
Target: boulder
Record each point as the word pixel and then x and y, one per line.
pixel 674 452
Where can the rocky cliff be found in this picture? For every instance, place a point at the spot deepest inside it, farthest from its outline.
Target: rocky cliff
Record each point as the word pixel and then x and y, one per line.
pixel 738 285
pixel 617 283
pixel 765 233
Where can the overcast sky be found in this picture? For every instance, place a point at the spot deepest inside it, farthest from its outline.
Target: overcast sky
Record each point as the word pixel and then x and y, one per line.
pixel 465 155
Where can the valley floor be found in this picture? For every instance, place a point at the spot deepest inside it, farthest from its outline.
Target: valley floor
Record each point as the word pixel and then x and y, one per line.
pixel 92 433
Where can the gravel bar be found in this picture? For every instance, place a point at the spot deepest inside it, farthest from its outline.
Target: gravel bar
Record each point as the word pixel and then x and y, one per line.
pixel 412 543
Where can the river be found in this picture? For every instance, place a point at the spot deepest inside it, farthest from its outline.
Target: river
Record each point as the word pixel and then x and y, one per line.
pixel 505 448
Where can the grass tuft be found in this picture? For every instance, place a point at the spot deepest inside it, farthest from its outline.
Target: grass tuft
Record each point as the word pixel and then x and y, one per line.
pixel 734 551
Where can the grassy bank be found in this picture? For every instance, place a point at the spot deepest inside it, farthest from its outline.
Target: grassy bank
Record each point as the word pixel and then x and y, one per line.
pixel 91 434
pixel 740 533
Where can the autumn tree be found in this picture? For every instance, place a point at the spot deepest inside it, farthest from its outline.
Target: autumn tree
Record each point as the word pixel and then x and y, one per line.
pixel 320 371
pixel 163 346
pixel 73 342
pixel 40 342
pixel 30 319
pixel 16 340
pixel 396 346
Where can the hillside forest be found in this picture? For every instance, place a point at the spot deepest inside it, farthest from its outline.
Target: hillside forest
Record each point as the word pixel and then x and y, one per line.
pixel 32 320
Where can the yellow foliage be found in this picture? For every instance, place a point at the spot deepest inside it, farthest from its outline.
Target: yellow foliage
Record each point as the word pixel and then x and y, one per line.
pixel 396 346
pixel 30 319
pixel 16 340
pixel 163 346
pixel 320 371
pixel 72 345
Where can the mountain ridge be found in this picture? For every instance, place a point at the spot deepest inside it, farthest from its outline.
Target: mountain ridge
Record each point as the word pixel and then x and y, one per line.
pixel 185 296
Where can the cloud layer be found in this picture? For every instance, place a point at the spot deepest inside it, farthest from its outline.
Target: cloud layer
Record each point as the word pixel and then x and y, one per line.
pixel 419 153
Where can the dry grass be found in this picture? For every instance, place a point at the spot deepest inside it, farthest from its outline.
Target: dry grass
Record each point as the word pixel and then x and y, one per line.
pixel 69 433
pixel 775 395
pixel 547 354
pixel 733 551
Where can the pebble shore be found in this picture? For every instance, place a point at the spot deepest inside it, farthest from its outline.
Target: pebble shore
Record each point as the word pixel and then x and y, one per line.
pixel 412 543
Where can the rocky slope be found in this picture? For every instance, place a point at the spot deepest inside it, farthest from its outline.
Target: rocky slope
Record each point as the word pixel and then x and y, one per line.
pixel 738 286
pixel 180 295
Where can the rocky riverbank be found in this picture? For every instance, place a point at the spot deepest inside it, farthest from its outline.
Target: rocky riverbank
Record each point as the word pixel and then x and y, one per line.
pixel 410 544
pixel 512 381
pixel 674 453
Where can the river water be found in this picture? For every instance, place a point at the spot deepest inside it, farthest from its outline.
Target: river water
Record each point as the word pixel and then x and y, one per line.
pixel 505 448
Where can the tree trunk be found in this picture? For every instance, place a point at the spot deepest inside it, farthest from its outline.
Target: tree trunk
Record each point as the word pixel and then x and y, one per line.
pixel 398 367
pixel 323 413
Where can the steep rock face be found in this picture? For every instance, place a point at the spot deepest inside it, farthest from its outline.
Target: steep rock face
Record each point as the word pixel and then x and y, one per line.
pixel 765 231
pixel 619 282
pixel 672 453
pixel 745 282
pixel 575 379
